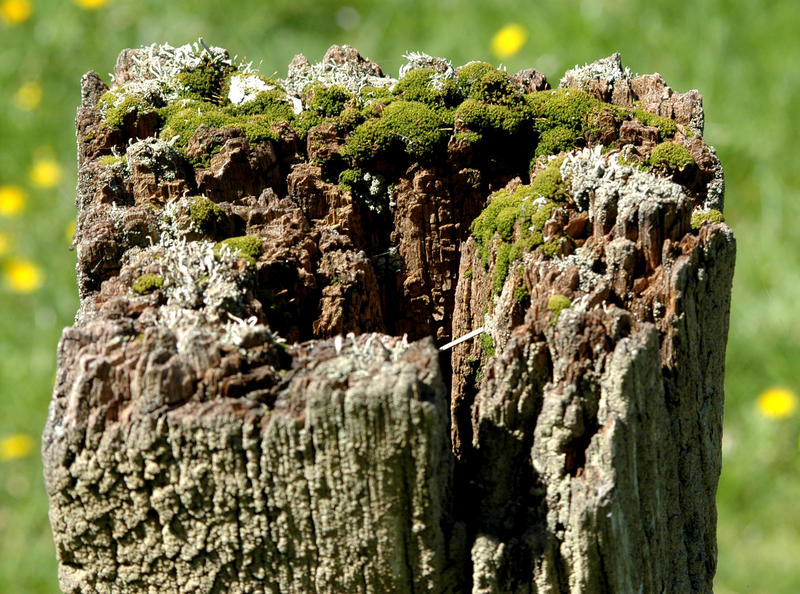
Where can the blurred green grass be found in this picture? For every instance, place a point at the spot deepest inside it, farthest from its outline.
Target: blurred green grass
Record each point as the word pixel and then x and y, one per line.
pixel 741 57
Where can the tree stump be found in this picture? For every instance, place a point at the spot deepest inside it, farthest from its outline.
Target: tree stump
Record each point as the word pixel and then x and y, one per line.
pixel 254 396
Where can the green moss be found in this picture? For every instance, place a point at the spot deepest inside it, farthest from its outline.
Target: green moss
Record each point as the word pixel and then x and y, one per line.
pixel 326 102
pixel 487 345
pixel 423 85
pixel 468 137
pixel 556 140
pixel 671 156
pixel 556 304
pixel 521 294
pixel 567 108
pixel 204 82
pixel 408 126
pixel 115 106
pixel 349 118
pixel 507 254
pixel 468 273
pixel 204 213
pixel 517 216
pixel 666 127
pixel 495 87
pixel 549 183
pixel 369 93
pixel 147 283
pixel 551 248
pixel 268 103
pixel 350 178
pixel 706 216
pixel 483 82
pixel 245 247
pixel 488 119
pixel 507 211
pixel 109 160
pixel 184 117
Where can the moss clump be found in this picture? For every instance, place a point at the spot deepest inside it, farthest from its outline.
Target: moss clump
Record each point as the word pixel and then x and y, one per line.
pixel 147 283
pixel 556 304
pixel 425 86
pixel 549 183
pixel 184 117
pixel 551 248
pixel 495 87
pixel 408 126
pixel 245 247
pixel 468 273
pixel 483 82
pixel 204 213
pixel 350 178
pixel 488 120
pixel 521 294
pixel 567 108
pixel 109 160
pixel 205 81
pixel 370 93
pixel 116 107
pixel 267 103
pixel 556 140
pixel 326 102
pixel 519 216
pixel 487 345
pixel 706 216
pixel 349 119
pixel 507 254
pixel 666 127
pixel 671 156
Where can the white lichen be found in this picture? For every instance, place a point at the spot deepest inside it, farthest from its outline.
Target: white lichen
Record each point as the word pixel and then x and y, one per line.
pixel 164 62
pixel 246 87
pixel 442 67
pixel 350 74
pixel 597 180
pixel 609 69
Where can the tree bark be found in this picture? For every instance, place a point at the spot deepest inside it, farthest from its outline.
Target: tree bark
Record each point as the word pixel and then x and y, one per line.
pixel 276 416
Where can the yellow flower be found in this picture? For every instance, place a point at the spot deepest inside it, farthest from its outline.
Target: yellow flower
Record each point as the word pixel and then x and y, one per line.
pixel 45 173
pixel 5 243
pixel 777 403
pixel 91 4
pixel 15 11
pixel 15 446
pixel 509 40
pixel 28 96
pixel 69 231
pixel 12 200
pixel 23 276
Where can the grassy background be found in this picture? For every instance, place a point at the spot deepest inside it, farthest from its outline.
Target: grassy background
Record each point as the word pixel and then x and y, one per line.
pixel 742 58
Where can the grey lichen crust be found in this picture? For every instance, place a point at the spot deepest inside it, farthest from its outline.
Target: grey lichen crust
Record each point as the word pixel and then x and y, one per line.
pixel 234 495
pixel 252 398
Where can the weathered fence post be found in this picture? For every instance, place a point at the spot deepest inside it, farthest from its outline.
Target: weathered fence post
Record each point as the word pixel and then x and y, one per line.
pixel 252 397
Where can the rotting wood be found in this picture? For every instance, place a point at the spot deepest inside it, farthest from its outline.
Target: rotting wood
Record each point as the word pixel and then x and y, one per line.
pixel 252 399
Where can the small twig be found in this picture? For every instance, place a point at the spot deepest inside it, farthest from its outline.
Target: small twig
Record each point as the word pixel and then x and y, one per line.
pixel 467 336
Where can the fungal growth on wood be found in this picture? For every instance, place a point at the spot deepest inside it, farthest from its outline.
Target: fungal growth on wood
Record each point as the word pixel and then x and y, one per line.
pixel 252 397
